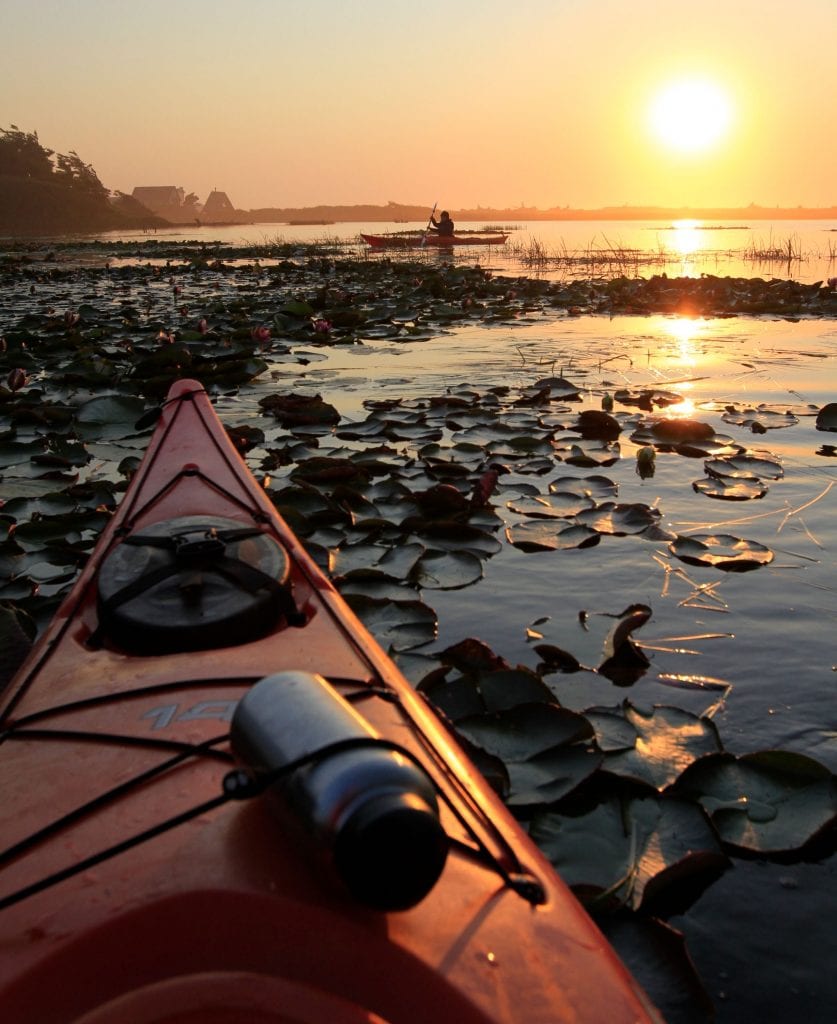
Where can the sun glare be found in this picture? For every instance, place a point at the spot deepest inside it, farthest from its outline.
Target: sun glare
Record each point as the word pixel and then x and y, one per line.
pixel 690 115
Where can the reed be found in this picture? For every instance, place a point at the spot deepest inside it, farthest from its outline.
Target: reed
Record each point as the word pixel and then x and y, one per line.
pixel 774 251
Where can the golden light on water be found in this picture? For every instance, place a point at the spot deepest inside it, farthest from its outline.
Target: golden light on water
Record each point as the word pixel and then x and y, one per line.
pixel 685 333
pixel 686 238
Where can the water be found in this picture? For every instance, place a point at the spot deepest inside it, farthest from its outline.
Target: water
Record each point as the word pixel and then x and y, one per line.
pixel 804 250
pixel 761 936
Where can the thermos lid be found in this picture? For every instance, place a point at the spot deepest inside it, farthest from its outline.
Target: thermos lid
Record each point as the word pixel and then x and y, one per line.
pixel 391 851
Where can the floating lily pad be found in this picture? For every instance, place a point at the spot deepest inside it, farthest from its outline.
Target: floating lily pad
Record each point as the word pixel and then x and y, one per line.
pixel 450 536
pixel 537 744
pixel 727 489
pixel 721 551
pixel 613 730
pixel 578 451
pixel 627 850
pixel 447 570
pixel 559 389
pixel 668 740
pixel 763 417
pixel 620 520
pixel 300 410
pixel 648 398
pixel 554 506
pixel 769 802
pixel 656 955
pixel 551 536
pixel 745 466
pixel 595 486
pixel 396 625
pixel 677 431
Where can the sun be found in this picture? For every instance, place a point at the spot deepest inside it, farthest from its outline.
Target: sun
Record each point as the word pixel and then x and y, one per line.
pixel 690 115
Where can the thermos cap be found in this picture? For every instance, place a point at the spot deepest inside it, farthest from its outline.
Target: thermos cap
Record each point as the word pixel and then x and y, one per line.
pixel 391 851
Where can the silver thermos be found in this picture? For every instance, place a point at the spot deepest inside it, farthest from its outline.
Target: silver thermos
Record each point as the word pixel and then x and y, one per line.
pixel 370 808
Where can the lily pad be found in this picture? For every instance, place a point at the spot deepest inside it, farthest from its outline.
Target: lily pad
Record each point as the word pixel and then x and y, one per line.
pixel 745 466
pixel 762 417
pixel 668 740
pixel 620 520
pixel 721 551
pixel 595 486
pixel 728 489
pixel 627 850
pixel 396 625
pixel 538 745
pixel 553 506
pixel 550 536
pixel 447 570
pixel 770 802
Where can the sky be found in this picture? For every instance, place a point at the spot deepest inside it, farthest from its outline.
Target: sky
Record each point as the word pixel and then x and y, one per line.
pixel 468 103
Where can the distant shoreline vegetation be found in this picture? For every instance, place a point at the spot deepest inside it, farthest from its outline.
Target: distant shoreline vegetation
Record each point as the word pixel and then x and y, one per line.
pixel 395 212
pixel 47 193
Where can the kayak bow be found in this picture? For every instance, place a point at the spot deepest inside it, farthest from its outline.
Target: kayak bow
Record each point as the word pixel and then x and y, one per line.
pixel 222 801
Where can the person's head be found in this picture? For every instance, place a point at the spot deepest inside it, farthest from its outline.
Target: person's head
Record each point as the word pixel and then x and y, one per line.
pixel 445 215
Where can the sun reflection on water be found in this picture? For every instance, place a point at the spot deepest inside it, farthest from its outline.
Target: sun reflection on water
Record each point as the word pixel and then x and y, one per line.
pixel 686 238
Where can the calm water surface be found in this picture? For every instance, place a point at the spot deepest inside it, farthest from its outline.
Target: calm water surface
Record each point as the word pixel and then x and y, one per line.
pixel 803 250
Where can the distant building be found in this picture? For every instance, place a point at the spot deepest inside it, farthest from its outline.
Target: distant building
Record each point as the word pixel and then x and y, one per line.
pixel 160 199
pixel 217 207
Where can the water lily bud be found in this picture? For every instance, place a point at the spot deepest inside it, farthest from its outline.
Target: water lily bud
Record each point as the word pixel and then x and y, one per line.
pixel 607 402
pixel 203 326
pixel 646 462
pixel 71 318
pixel 322 326
pixel 16 379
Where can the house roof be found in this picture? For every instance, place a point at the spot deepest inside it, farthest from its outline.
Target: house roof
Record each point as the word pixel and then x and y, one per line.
pixel 157 193
pixel 217 202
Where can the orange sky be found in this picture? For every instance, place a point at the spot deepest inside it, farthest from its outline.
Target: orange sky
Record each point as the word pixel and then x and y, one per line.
pixel 468 102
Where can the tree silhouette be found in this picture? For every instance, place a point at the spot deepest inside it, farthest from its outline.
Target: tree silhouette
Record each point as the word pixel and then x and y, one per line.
pixel 22 155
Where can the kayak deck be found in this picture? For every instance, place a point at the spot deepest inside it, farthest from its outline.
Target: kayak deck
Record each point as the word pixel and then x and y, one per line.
pixel 142 880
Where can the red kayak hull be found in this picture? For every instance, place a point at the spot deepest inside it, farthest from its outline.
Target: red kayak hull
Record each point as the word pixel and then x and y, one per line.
pixel 430 239
pixel 227 917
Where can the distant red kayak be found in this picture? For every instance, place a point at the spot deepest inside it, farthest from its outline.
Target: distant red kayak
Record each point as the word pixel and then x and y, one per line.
pixel 441 241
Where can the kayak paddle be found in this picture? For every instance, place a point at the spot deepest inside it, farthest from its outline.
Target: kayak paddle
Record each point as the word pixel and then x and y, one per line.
pixel 429 221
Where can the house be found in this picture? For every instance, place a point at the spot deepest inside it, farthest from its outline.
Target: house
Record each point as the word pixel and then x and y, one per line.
pixel 159 198
pixel 217 207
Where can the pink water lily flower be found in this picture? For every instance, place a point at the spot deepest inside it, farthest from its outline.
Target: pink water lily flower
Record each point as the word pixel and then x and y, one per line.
pixel 260 334
pixel 322 326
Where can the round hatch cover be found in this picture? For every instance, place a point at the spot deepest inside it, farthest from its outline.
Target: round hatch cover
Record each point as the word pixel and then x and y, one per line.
pixel 192 583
